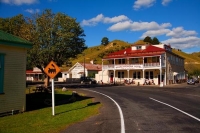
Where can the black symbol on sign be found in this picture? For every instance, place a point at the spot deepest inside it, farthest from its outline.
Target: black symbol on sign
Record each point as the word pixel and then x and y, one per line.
pixel 52 70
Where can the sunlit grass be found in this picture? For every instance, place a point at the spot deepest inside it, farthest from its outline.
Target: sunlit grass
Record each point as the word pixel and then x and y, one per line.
pixel 42 121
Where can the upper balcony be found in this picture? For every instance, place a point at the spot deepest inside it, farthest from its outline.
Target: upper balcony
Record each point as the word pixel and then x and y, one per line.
pixel 134 63
pixel 133 66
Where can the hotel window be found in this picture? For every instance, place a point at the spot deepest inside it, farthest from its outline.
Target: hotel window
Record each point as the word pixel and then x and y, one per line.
pixel 139 75
pixel 136 75
pixel 155 59
pixel 149 74
pixel 120 74
pixel 135 60
pixel 145 60
pixel 121 61
pixel 138 47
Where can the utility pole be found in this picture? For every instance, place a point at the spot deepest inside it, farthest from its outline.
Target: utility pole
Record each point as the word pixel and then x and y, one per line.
pixel 84 68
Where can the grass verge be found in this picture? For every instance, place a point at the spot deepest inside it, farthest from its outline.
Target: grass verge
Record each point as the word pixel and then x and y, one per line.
pixel 41 120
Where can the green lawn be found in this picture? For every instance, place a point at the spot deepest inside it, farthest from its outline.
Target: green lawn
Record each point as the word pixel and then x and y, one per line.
pixel 41 120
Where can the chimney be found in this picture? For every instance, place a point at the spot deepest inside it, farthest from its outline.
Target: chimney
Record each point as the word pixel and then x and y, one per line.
pixel 92 62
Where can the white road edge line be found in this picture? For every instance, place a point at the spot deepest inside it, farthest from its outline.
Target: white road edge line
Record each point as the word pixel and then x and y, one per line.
pixel 176 109
pixel 120 111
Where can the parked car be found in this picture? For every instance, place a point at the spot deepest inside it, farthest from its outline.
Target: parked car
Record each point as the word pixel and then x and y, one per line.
pixel 88 80
pixel 191 82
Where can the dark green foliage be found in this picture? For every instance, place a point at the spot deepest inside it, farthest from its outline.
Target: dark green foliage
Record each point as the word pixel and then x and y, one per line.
pixel 196 72
pixel 155 41
pixel 16 25
pixel 56 37
pixel 104 41
pixel 151 41
pixel 91 75
pixel 147 39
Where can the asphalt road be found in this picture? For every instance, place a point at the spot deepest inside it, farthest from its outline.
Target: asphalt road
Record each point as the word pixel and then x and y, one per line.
pixel 149 109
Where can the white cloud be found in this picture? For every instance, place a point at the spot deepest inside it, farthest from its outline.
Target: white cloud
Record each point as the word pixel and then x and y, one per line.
pixel 183 43
pixel 92 21
pixel 115 19
pixel 101 18
pixel 166 2
pixel 125 25
pixel 177 37
pixel 154 33
pixel 19 2
pixel 32 11
pixel 138 26
pixel 143 3
pixel 148 3
pixel 180 32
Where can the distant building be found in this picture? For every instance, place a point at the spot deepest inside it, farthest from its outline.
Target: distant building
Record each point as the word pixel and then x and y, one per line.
pixel 34 75
pixel 77 71
pixel 156 63
pixel 13 55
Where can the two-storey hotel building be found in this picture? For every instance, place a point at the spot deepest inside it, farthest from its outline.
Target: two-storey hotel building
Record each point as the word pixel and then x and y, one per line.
pixel 139 63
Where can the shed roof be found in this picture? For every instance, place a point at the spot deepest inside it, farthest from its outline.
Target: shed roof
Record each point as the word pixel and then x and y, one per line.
pixel 90 66
pixel 9 39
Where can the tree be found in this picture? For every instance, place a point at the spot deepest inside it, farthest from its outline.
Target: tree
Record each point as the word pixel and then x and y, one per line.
pixel 196 72
pixel 56 37
pixel 147 39
pixel 155 41
pixel 16 25
pixel 104 41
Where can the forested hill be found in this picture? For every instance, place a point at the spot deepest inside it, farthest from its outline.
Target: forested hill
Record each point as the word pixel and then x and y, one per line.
pixel 96 53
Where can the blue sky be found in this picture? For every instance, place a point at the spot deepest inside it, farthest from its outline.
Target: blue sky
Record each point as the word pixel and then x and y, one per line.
pixel 174 22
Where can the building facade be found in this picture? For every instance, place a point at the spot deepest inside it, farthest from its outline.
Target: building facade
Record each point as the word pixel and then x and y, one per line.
pixel 80 69
pixel 34 75
pixel 140 63
pixel 13 53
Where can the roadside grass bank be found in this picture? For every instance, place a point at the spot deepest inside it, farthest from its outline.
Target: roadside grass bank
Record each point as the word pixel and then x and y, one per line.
pixel 39 119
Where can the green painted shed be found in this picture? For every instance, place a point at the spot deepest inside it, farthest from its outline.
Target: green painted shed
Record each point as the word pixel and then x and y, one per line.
pixel 13 56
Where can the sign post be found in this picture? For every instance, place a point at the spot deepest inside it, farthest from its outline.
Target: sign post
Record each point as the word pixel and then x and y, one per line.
pixel 53 97
pixel 52 70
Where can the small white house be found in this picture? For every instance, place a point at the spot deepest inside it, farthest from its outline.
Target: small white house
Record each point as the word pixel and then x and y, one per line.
pixel 34 75
pixel 78 70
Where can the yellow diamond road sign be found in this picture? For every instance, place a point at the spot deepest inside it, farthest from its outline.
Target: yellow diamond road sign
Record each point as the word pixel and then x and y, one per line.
pixel 52 69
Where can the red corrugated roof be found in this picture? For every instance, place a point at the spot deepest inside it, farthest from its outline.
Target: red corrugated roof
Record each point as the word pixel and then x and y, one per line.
pixel 149 51
pixel 89 66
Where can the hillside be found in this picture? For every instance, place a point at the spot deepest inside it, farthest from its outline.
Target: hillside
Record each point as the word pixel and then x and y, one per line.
pixel 192 61
pixel 96 53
